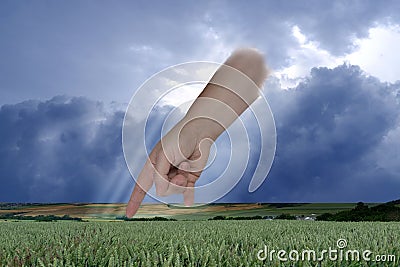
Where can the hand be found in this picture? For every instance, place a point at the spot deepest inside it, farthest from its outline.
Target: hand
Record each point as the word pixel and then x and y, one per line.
pixel 175 163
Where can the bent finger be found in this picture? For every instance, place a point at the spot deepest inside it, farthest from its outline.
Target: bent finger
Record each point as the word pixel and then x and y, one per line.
pixel 188 195
pixel 177 185
pixel 160 175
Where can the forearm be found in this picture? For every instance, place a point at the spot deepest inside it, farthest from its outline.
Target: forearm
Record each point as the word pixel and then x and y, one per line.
pixel 228 94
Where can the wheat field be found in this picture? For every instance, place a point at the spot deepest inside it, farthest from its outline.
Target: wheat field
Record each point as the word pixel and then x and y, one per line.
pixel 189 243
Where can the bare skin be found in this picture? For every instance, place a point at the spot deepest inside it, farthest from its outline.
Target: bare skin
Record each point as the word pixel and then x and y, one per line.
pixel 178 159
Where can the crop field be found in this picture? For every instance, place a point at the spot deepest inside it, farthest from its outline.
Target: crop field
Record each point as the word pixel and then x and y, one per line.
pixel 194 243
pixel 91 211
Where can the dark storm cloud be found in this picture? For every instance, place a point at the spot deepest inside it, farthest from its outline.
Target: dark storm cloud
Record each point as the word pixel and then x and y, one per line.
pixel 63 149
pixel 66 149
pixel 333 132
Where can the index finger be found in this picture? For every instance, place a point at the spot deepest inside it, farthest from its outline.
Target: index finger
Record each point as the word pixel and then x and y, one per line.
pixel 142 185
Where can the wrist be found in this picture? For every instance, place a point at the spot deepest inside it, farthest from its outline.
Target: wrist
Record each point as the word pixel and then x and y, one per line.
pixel 203 128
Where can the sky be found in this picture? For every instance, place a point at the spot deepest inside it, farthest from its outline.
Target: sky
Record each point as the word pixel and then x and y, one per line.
pixel 68 70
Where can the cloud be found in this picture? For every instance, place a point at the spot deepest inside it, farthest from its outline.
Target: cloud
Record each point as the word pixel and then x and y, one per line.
pixel 64 149
pixel 268 24
pixel 378 53
pixel 338 137
pixel 335 25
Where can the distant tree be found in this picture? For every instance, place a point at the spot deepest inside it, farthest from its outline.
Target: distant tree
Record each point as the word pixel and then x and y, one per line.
pixel 325 217
pixel 384 212
pixel 361 207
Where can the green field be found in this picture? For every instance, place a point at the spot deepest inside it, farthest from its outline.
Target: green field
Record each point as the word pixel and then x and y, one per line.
pixel 189 243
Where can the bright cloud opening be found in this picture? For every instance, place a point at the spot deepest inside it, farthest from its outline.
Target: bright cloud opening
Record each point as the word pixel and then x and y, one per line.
pixel 377 55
